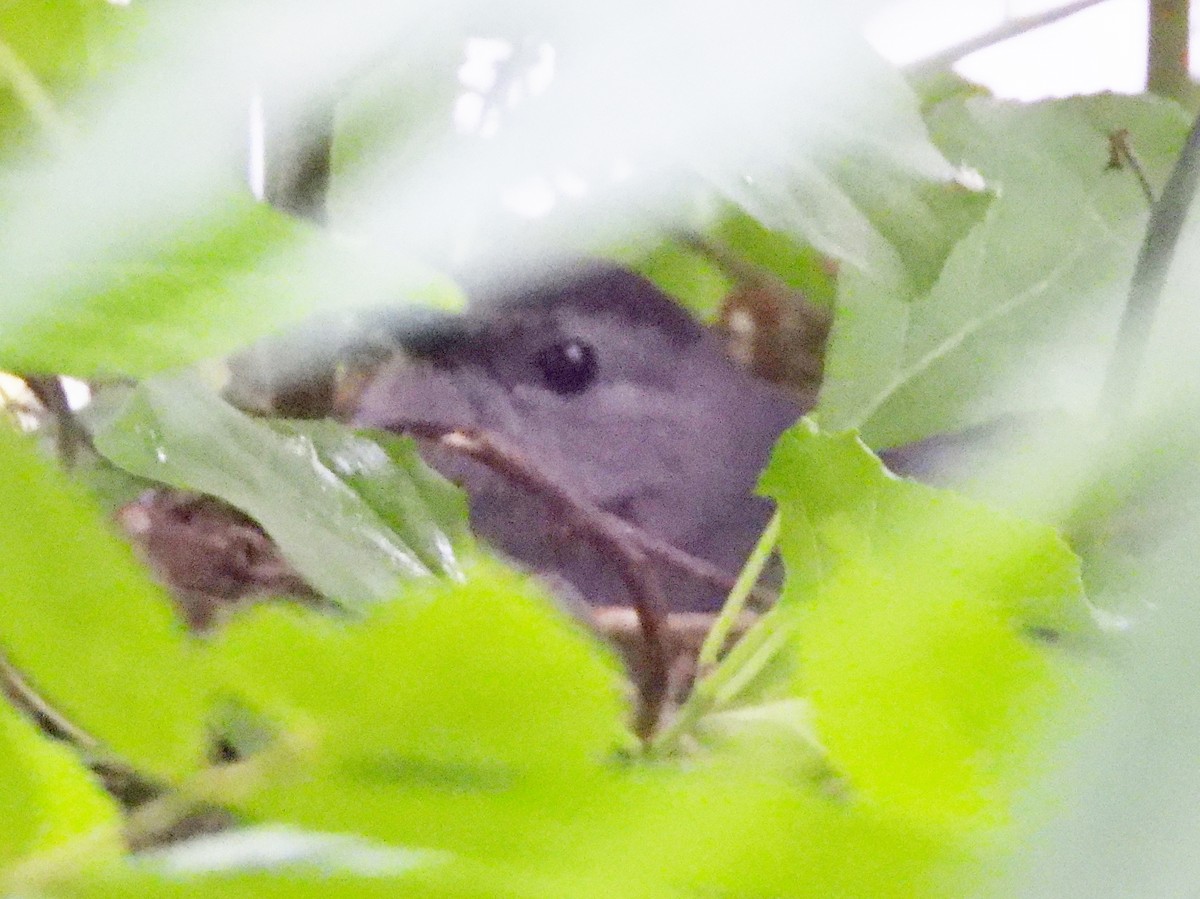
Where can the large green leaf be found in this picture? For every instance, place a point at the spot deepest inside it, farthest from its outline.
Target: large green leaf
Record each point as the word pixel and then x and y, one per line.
pixel 435 680
pixel 306 484
pixel 922 625
pixel 477 720
pixel 46 51
pixel 80 618
pixel 240 272
pixel 425 511
pixel 48 798
pixel 1026 305
pixel 891 209
pixel 430 708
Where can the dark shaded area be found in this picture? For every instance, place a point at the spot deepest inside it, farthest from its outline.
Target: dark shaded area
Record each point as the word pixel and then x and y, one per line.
pixel 210 556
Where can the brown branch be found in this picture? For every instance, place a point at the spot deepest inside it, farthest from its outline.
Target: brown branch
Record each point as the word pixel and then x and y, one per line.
pixel 1011 28
pixel 605 531
pixel 1167 49
pixel 71 436
pixel 49 719
pixel 1121 156
pixel 700 569
pixel 732 264
pixel 298 151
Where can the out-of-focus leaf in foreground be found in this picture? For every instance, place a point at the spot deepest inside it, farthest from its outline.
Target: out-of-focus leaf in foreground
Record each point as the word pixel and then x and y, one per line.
pixel 923 623
pixel 47 50
pixel 48 798
pixel 703 283
pixel 306 484
pixel 80 618
pixel 1023 312
pixel 429 711
pixel 479 721
pixel 242 272
pixel 892 209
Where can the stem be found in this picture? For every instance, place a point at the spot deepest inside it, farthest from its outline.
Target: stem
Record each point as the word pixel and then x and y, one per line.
pixel 736 603
pixel 1011 28
pixel 751 654
pixel 1149 277
pixel 71 435
pixel 1121 156
pixel 1167 49
pixel 21 694
pixel 604 531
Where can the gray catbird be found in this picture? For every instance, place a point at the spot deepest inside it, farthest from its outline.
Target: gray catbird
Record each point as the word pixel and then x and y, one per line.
pixel 611 388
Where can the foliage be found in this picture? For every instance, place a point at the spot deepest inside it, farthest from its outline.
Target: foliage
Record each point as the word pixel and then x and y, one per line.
pixel 450 730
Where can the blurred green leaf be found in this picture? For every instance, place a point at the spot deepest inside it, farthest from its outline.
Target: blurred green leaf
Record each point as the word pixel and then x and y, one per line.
pixel 392 114
pixel 84 623
pixel 796 264
pixel 478 720
pixel 1026 305
pixel 892 211
pixel 47 50
pixel 435 680
pixel 301 881
pixel 223 281
pixel 49 799
pixel 433 709
pixel 698 283
pixel 702 283
pixel 921 623
pixel 177 431
pixel 286 862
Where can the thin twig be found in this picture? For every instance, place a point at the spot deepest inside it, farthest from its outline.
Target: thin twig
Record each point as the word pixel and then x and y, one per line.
pixel 701 570
pixel 47 717
pixel 731 263
pixel 1011 28
pixel 1149 276
pixel 731 612
pixel 1121 155
pixel 592 523
pixel 746 660
pixel 72 436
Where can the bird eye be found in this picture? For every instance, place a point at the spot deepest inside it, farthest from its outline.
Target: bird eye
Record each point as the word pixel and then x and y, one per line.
pixel 568 366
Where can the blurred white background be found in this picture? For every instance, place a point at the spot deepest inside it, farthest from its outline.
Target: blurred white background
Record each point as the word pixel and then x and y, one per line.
pixel 1100 48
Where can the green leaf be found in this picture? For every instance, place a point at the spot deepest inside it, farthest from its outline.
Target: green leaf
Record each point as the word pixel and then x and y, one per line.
pixel 698 283
pixel 436 677
pixel 83 622
pixel 47 50
pixel 798 265
pixel 478 720
pixel 1024 310
pixel 922 621
pixel 288 862
pixel 400 108
pixel 177 431
pixel 48 799
pixel 422 508
pixel 237 273
pixel 429 709
pixel 702 284
pixel 890 208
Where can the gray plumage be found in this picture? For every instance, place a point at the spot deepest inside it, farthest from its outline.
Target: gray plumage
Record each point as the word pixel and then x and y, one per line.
pixel 610 387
